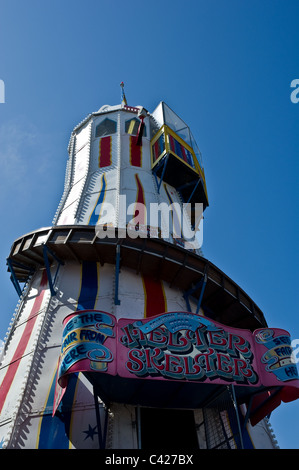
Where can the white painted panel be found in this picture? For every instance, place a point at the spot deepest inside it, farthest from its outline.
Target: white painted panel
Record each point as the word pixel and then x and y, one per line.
pixel 17 388
pixel 91 203
pixel 68 283
pixel 74 193
pixel 146 154
pixel 90 198
pixel 123 433
pixel 5 431
pixel 67 216
pixel 131 295
pixel 128 180
pixel 129 308
pixel 105 299
pixel 81 162
pixel 82 136
pixel 125 151
pixel 20 326
pixel 48 360
pixel 175 299
pixel 28 430
pixel 83 431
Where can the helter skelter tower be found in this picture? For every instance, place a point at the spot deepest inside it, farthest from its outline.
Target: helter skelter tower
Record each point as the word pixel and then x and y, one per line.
pixel 124 336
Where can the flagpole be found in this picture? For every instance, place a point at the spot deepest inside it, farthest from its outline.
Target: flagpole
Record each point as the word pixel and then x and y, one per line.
pixel 123 96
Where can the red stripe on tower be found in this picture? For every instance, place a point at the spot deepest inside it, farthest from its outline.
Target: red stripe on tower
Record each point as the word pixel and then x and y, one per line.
pixel 105 151
pixel 140 207
pixel 135 151
pixel 19 352
pixel 154 297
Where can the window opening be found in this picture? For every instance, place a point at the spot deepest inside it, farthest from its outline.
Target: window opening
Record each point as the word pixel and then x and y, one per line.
pixel 167 428
pixel 132 126
pixel 106 127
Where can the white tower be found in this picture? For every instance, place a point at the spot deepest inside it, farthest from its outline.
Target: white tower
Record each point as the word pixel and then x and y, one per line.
pixel 123 329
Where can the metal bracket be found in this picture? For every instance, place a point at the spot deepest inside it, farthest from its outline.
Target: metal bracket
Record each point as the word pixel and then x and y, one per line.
pixel 193 191
pixel 164 163
pixel 10 263
pixel 231 388
pixel 117 268
pixel 200 284
pixel 46 251
pixel 13 278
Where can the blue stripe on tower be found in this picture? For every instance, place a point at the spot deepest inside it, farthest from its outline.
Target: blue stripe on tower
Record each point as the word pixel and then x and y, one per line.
pixel 95 215
pixel 89 286
pixel 54 431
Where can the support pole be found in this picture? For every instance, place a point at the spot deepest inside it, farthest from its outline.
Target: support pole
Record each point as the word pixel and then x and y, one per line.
pixel 186 297
pixel 98 416
pixel 13 278
pixel 193 191
pixel 47 250
pixel 201 284
pixel 138 426
pixel 105 426
pixel 246 419
pixel 162 174
pixel 47 265
pixel 117 266
pixel 204 282
pixel 237 414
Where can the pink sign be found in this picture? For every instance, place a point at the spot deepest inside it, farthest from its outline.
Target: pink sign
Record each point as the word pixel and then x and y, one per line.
pixel 176 346
pixel 188 347
pixel 88 345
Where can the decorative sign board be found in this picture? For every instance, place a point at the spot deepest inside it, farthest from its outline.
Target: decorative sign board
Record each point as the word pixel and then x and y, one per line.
pixel 174 346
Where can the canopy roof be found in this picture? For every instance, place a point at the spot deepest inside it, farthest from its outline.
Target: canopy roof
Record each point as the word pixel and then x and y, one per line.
pixel 222 299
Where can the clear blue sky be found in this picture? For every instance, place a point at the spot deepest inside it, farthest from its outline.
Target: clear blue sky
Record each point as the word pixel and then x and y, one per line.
pixel 224 66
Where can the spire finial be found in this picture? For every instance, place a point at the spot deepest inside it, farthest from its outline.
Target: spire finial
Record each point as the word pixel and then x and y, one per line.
pixel 123 96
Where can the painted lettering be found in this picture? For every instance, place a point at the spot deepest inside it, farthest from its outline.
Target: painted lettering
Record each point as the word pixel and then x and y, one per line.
pixel 197 338
pixel 178 342
pixel 224 365
pixel 283 351
pixel 132 337
pixel 153 358
pixel 135 363
pixel 183 351
pixel 218 339
pixel 238 344
pixel 174 367
pixel 71 338
pixel 157 337
pixel 193 371
pixel 92 335
pixel 243 372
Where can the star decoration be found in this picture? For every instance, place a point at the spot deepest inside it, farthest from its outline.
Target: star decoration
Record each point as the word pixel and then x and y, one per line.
pixel 90 432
